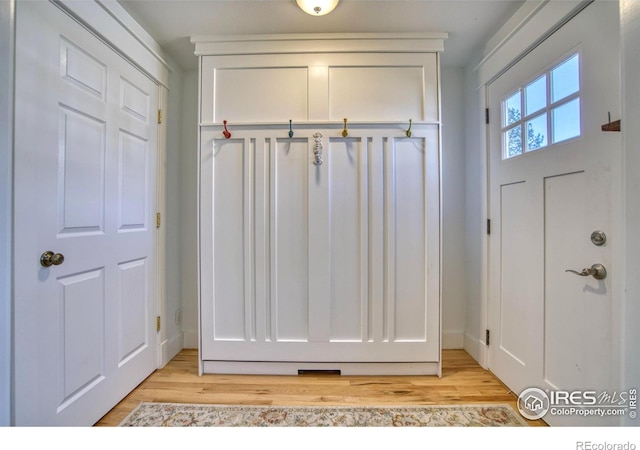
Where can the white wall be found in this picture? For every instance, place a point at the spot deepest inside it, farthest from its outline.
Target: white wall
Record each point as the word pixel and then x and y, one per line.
pixel 475 214
pixel 171 223
pixel 6 182
pixel 188 209
pixel 630 42
pixel 454 289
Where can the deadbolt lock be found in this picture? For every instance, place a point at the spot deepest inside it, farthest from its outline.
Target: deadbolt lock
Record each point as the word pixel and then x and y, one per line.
pixel 598 238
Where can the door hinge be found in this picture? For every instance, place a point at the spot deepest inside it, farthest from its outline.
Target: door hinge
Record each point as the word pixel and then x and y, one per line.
pixel 488 226
pixel 159 116
pixel 158 323
pixel 157 220
pixel 486 116
pixel 487 337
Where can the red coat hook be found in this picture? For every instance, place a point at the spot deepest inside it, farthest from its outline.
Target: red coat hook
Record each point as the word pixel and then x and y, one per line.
pixel 226 132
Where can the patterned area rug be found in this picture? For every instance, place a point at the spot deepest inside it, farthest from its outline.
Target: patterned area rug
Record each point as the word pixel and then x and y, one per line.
pixel 192 415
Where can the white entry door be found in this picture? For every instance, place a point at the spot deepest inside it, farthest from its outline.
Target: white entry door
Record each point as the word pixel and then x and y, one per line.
pixel 85 164
pixel 328 263
pixel 550 189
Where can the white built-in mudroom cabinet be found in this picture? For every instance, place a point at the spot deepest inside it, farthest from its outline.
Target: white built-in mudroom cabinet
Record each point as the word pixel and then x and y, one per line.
pixel 319 204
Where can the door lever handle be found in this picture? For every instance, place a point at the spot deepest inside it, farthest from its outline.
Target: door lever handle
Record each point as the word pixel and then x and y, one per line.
pixel 596 271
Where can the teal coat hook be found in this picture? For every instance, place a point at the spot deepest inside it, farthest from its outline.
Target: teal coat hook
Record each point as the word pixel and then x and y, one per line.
pixel 290 130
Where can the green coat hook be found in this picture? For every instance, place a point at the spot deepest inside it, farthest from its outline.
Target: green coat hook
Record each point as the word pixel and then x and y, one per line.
pixel 345 133
pixel 409 130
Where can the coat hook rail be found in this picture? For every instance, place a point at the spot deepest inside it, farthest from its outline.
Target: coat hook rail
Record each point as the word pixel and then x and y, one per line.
pixel 226 133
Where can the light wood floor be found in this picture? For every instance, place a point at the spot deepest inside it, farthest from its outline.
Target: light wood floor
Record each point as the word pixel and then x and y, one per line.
pixel 463 381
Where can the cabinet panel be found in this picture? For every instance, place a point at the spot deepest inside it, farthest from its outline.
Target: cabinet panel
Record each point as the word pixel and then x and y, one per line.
pixel 289 239
pixel 228 226
pixel 406 234
pixel 253 94
pixel 329 263
pixel 348 243
pixel 363 87
pixel 393 93
pixel 332 265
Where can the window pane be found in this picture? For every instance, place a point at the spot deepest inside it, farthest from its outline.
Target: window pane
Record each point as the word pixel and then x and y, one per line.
pixel 535 95
pixel 537 132
pixel 512 112
pixel 565 79
pixel 566 121
pixel 512 142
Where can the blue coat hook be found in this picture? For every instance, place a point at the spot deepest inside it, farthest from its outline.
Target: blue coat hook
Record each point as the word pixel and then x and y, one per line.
pixel 290 130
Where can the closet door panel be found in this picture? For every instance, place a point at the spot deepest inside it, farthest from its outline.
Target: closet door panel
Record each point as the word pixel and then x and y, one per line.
pixel 289 239
pixel 328 263
pixel 348 243
pixel 229 239
pixel 406 233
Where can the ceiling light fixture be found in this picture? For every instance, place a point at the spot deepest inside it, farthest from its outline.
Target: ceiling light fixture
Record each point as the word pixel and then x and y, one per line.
pixel 317 7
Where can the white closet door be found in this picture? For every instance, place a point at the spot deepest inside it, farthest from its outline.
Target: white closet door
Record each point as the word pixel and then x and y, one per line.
pixel 333 263
pixel 85 171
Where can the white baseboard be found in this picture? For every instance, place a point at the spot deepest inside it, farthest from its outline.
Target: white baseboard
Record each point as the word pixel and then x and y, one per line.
pixel 476 348
pixel 171 348
pixel 190 339
pixel 452 339
pixel 292 368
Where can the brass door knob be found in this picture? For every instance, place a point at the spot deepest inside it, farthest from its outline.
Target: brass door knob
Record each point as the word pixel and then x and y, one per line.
pixel 48 259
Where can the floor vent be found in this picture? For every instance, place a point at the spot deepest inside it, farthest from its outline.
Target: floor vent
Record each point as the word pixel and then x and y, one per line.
pixel 318 372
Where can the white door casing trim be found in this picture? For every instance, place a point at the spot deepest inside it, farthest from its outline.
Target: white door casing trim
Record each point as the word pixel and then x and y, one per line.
pixel 7 51
pixel 108 20
pixel 523 35
pixel 630 39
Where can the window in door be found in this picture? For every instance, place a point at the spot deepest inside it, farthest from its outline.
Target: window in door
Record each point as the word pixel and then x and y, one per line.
pixel 543 112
